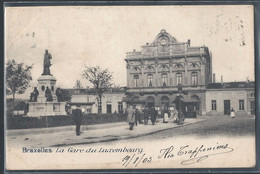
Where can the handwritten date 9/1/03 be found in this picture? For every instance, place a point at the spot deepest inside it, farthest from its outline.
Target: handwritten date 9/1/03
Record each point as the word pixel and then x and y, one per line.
pixel 136 159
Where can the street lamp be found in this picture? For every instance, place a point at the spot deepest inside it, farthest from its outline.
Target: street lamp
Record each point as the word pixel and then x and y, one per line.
pixel 180 113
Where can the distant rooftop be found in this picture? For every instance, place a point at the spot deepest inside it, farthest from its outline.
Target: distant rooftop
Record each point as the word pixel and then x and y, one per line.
pixel 80 91
pixel 250 84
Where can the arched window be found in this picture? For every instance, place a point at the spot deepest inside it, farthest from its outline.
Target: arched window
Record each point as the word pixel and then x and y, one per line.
pixel 136 78
pixel 178 78
pixel 164 79
pixel 194 79
pixel 150 79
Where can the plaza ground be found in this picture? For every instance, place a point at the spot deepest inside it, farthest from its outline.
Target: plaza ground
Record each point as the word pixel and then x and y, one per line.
pixel 203 127
pixel 217 125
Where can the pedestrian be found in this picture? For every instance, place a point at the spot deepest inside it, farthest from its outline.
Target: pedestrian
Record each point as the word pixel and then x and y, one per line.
pixel 77 115
pixel 232 113
pixel 166 116
pixel 137 117
pixel 131 117
pixel 146 115
pixel 175 115
pixel 153 115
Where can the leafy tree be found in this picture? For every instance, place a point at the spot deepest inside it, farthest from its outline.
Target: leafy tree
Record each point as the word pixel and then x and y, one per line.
pixel 65 96
pixel 78 84
pixel 18 77
pixel 101 81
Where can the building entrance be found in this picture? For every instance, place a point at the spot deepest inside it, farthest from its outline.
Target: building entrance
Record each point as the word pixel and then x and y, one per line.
pixel 226 107
pixel 164 103
pixel 150 101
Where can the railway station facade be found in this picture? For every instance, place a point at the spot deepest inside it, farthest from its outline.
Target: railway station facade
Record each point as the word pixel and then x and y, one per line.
pixel 155 72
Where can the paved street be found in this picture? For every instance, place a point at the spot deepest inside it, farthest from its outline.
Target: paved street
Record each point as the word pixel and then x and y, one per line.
pixel 218 125
pixel 65 136
pixel 206 126
pixel 212 126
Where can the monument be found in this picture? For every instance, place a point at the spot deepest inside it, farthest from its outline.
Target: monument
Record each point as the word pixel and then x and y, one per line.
pixel 43 100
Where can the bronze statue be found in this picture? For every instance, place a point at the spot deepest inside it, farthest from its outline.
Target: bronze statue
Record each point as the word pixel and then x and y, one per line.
pixel 47 63
pixel 48 94
pixel 34 95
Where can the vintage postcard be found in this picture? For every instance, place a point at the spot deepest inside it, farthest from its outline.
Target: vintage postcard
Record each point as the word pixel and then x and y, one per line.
pixel 129 87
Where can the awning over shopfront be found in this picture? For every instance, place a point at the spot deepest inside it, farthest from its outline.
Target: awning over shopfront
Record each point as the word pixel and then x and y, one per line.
pixel 81 103
pixel 133 100
pixel 186 99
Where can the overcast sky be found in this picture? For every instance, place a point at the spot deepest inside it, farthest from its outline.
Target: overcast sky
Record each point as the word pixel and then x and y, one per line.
pixel 78 36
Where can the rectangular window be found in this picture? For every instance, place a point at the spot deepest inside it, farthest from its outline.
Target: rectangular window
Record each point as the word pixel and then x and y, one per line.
pixel 241 105
pixel 178 78
pixel 150 80
pixel 109 108
pixel 164 79
pixel 136 78
pixel 120 107
pixel 213 105
pixel 194 79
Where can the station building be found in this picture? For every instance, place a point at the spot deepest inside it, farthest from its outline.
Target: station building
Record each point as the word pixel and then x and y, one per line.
pixel 155 72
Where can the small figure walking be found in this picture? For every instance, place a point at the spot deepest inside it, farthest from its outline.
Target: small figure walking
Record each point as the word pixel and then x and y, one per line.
pixel 166 116
pixel 146 115
pixel 131 117
pixel 77 114
pixel 232 113
pixel 154 114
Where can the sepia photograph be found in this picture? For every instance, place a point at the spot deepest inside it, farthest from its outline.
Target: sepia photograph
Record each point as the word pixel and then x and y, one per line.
pixel 129 87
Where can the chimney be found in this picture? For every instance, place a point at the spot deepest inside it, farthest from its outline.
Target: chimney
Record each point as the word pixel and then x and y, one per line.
pixel 189 42
pixel 221 79
pixel 214 78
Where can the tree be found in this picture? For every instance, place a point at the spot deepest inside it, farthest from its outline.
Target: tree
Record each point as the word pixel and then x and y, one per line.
pixel 65 96
pixel 78 84
pixel 18 77
pixel 101 81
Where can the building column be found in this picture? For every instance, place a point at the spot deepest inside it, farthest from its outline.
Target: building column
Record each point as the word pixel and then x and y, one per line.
pixel 171 78
pixel 185 72
pixel 156 73
pixel 202 72
pixel 142 78
pixel 128 74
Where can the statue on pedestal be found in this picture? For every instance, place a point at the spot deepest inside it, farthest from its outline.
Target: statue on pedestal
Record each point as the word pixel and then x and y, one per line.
pixel 47 63
pixel 59 94
pixel 48 94
pixel 34 95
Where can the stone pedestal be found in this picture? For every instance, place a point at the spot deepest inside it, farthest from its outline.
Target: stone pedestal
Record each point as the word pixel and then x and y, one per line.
pixel 37 109
pixel 43 107
pixel 45 81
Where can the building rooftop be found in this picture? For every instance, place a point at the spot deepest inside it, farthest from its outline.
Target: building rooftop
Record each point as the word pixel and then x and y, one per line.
pixel 81 91
pixel 249 84
pixel 166 45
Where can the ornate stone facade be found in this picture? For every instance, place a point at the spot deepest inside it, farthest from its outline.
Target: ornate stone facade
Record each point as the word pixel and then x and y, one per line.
pixel 153 74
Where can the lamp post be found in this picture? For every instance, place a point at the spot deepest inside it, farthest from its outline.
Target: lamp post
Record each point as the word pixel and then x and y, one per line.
pixel 180 113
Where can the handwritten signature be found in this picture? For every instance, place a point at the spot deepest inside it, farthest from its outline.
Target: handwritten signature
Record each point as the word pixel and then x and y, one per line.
pixel 192 155
pixel 197 154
